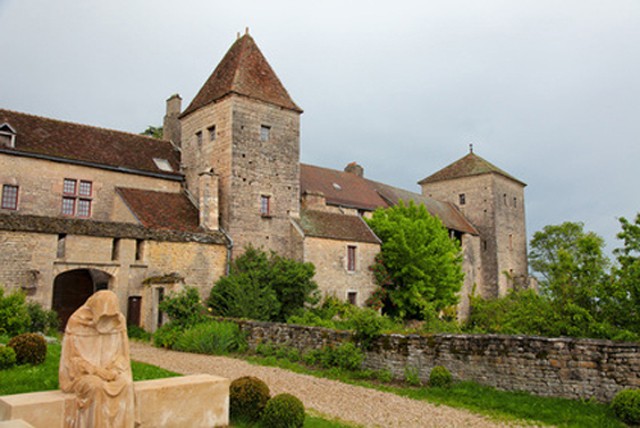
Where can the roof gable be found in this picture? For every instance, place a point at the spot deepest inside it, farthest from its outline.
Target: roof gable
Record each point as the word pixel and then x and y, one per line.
pixel 244 71
pixel 81 143
pixel 468 166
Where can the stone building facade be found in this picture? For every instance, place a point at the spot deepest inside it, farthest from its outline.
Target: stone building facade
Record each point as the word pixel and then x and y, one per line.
pixel 85 208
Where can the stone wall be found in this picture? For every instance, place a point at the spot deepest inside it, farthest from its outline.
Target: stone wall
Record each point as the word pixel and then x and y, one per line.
pixel 563 367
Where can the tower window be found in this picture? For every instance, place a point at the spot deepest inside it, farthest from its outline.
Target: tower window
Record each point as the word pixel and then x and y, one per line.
pixel 515 202
pixel 265 133
pixel 9 197
pixel 265 206
pixel 212 133
pixel 199 138
pixel 462 198
pixel 351 258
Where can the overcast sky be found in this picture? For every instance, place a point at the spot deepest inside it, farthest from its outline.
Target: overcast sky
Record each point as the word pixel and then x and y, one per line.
pixel 546 90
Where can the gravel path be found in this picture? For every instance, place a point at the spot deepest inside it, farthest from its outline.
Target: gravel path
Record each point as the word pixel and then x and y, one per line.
pixel 363 406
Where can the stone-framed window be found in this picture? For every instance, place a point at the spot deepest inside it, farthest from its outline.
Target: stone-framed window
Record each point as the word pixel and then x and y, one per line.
pixel 265 205
pixel 212 132
pixel 140 250
pixel 352 297
pixel 77 197
pixel 265 133
pixel 462 198
pixel 351 258
pixel 9 197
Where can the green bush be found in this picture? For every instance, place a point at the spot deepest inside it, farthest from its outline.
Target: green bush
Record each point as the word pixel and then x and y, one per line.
pixel 136 332
pixel 346 356
pixel 248 397
pixel 184 307
pixel 626 406
pixel 367 325
pixel 212 337
pixel 412 376
pixel 167 335
pixel 42 320
pixel 440 377
pixel 14 317
pixel 283 411
pixel 30 348
pixel 7 357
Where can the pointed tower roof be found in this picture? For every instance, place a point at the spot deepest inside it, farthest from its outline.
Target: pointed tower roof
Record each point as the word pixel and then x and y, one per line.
pixel 244 71
pixel 468 166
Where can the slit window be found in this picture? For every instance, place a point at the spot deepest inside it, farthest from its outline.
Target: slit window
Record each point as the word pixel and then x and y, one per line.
pixel 199 138
pixel 212 133
pixel 9 197
pixel 115 249
pixel 351 258
pixel 62 245
pixel 265 133
pixel 139 250
pixel 462 198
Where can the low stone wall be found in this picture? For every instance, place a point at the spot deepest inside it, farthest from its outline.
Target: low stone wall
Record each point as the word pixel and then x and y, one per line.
pixel 563 367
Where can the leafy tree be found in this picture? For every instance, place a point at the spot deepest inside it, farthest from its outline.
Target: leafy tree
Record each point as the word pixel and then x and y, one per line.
pixel 153 132
pixel 184 307
pixel 572 265
pixel 264 286
pixel 420 266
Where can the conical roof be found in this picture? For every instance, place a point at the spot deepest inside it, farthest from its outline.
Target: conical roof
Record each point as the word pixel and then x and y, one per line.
pixel 468 166
pixel 244 71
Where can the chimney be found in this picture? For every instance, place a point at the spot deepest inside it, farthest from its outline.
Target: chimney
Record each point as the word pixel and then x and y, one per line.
pixel 354 168
pixel 171 128
pixel 208 200
pixel 314 201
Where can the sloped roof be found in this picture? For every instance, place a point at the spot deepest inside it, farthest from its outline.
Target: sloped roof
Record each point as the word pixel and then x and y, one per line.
pixel 320 224
pixel 244 71
pixel 468 166
pixel 162 210
pixel 349 190
pixel 97 146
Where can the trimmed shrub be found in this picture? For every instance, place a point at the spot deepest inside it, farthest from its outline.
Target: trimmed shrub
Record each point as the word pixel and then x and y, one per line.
pixel 440 377
pixel 7 357
pixel 626 405
pixel 283 411
pixel 214 338
pixel 248 397
pixel 30 348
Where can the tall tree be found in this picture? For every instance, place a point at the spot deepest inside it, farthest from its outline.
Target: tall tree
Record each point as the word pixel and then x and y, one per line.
pixel 153 131
pixel 625 297
pixel 420 265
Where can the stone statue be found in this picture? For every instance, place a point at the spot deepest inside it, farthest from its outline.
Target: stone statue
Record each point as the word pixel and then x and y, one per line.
pixel 95 365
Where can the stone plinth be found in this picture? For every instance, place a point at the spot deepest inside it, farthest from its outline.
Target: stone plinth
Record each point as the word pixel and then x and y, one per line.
pixel 193 401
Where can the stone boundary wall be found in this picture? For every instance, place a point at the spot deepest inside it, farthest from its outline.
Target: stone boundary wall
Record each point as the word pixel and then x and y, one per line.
pixel 562 367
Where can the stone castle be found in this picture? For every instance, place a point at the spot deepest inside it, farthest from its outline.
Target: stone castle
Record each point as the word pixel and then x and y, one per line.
pixel 86 208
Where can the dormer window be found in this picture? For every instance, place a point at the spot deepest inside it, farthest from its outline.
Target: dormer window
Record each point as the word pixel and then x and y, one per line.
pixel 163 164
pixel 7 136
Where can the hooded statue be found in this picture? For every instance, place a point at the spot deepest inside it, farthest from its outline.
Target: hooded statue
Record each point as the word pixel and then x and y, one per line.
pixel 95 366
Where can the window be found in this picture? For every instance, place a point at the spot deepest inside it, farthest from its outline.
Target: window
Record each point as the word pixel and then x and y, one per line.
pixel 352 297
pixel 265 132
pixel 212 133
pixel 199 138
pixel 115 249
pixel 76 199
pixel 504 198
pixel 462 198
pixel 351 258
pixel 515 202
pixel 62 245
pixel 163 164
pixel 9 197
pixel 7 136
pixel 139 250
pixel 265 206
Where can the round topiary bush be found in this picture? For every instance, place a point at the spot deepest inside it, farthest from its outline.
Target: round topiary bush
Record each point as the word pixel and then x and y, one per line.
pixel 7 357
pixel 440 377
pixel 283 411
pixel 626 405
pixel 30 348
pixel 248 397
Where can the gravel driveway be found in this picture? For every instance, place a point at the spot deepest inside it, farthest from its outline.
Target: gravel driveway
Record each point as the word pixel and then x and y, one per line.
pixel 362 406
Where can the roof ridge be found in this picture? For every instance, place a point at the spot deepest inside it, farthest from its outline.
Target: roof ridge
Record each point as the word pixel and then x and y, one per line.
pixel 84 125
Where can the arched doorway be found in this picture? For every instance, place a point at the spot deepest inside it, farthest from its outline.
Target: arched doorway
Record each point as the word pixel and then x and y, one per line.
pixel 72 288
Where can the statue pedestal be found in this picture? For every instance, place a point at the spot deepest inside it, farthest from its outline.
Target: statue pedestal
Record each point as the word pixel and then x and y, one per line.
pixel 196 401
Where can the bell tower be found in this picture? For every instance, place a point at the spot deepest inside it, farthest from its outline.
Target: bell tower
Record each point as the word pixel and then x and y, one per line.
pixel 244 127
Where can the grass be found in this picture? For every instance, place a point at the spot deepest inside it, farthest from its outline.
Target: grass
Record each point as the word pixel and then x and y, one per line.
pixel 500 405
pixel 311 420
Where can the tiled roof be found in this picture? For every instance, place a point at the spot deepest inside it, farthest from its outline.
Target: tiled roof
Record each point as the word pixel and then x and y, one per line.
pixel 58 225
pixel 348 190
pixel 244 71
pixel 468 166
pixel 320 224
pixel 98 146
pixel 162 210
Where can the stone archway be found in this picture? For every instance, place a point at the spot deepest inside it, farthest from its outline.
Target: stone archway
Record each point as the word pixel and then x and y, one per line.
pixel 72 288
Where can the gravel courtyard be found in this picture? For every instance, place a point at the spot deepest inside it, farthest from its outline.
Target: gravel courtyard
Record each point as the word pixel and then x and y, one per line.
pixel 363 406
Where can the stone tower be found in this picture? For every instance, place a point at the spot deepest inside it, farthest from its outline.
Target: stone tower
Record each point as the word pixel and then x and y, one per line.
pixel 494 202
pixel 244 127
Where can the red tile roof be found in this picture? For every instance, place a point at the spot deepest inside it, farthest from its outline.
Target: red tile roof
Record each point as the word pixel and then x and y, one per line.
pixel 468 166
pixel 71 141
pixel 162 210
pixel 320 224
pixel 244 71
pixel 348 190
